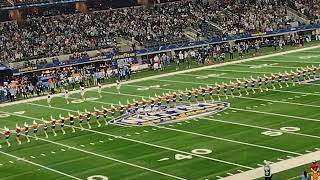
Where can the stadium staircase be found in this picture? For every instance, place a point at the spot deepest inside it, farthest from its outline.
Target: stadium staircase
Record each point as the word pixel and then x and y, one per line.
pixel 300 17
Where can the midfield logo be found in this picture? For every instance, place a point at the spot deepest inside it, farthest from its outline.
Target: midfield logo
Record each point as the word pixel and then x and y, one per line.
pixel 169 114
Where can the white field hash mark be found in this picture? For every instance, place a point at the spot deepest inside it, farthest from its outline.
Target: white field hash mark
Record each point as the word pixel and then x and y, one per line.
pixel 39 165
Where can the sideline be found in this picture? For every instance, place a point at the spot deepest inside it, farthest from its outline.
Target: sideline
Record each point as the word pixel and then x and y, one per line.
pixel 168 74
pixel 277 167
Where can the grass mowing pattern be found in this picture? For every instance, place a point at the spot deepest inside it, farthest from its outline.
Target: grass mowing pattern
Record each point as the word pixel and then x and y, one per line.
pixel 234 135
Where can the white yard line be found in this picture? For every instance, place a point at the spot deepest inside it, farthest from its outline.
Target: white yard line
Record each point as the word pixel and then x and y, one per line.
pixel 285 61
pixel 277 167
pixel 110 158
pixel 282 102
pixel 259 127
pixel 174 73
pixel 230 140
pixel 273 66
pixel 277 114
pixel 104 157
pixel 169 149
pixel 148 144
pixel 235 71
pixel 294 92
pixel 39 165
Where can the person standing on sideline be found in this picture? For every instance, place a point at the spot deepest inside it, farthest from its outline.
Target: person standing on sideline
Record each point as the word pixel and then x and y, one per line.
pixel 305 176
pixel 267 170
pixel 231 52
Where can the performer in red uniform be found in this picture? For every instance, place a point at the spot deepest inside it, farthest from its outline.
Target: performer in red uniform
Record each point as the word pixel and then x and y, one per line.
pixel 62 121
pixel 7 135
pixel 210 91
pixel 105 115
pixel 35 129
pixel 88 117
pixel 26 131
pixel 97 114
pixel 80 117
pixel 71 122
pixel 53 126
pixel 18 133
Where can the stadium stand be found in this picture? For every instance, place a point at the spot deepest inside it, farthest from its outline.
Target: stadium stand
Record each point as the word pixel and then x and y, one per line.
pixel 41 37
pixel 310 8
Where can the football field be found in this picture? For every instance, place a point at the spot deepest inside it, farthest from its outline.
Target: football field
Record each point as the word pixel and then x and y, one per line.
pixel 274 125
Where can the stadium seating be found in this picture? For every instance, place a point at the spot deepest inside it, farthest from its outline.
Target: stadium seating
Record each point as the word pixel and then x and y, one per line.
pixel 310 8
pixel 158 25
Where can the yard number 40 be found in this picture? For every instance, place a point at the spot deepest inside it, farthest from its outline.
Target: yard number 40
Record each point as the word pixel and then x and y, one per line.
pixel 195 151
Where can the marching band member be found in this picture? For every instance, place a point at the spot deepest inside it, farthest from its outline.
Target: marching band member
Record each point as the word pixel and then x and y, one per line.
pixel 53 126
pixel 286 78
pixel 62 121
pixel 246 84
pixel 49 97
pixel 239 87
pixel 99 90
pixel 18 133
pixel 7 135
pixel 105 115
pixel 314 71
pixel 260 83
pixel 152 101
pixel 196 94
pixel 80 117
pixel 232 88
pixel 308 72
pixel 174 99
pixel 203 93
pixel 144 105
pixel 82 92
pixel 218 87
pixel 300 73
pixel 304 74
pixel 118 86
pixel 210 90
pixel 97 114
pixel 266 81
pixel 113 110
pixel 280 79
pixel 136 106
pixel 253 81
pixel 121 109
pixel 273 78
pixel 35 129
pixel 225 90
pixel 71 121
pixel 159 102
pixel 167 96
pixel 180 94
pixel 66 96
pixel 26 131
pixel 293 76
pixel 45 127
pixel 189 94
pixel 88 118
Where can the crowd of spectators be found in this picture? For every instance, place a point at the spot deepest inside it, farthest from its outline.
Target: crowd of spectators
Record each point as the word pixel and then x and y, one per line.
pixel 309 8
pixel 38 37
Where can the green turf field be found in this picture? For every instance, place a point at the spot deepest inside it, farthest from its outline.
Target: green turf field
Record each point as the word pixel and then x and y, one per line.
pixel 208 147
